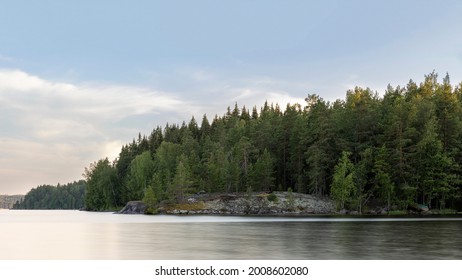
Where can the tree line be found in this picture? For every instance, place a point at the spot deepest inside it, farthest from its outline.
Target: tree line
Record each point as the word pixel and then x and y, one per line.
pixel 7 201
pixel 69 196
pixel 392 150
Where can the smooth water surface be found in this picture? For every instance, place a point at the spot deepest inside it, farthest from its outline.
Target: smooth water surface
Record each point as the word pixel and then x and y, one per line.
pixel 56 234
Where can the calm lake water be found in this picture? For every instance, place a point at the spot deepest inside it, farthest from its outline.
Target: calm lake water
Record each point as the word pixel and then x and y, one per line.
pixel 56 234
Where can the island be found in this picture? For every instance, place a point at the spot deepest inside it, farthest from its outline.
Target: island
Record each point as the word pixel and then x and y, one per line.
pixel 395 153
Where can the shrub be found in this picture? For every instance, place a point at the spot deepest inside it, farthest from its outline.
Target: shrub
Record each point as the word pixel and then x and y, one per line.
pixel 272 197
pixel 290 202
pixel 150 200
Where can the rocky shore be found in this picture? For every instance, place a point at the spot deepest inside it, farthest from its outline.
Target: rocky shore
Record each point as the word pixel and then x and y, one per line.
pixel 133 207
pixel 277 203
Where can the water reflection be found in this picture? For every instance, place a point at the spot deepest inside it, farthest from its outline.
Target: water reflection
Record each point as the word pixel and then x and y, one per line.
pixel 82 235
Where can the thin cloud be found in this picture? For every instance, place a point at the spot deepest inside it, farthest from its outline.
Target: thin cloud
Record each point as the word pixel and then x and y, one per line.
pixel 52 130
pixel 255 92
pixel 221 91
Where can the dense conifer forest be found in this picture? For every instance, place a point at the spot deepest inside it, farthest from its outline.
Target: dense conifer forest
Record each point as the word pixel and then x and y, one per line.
pixel 392 150
pixel 400 148
pixel 69 196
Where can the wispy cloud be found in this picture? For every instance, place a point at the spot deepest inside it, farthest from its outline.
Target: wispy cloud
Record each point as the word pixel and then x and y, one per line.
pixel 52 130
pixel 217 91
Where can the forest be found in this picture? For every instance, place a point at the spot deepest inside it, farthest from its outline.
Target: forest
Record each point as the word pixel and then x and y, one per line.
pixel 7 201
pixel 391 150
pixel 69 196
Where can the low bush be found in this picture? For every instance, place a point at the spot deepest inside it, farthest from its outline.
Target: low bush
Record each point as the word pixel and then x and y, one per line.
pixel 272 197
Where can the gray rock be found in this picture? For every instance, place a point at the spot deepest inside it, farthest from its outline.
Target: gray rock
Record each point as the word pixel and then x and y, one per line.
pixel 133 207
pixel 256 204
pixel 418 207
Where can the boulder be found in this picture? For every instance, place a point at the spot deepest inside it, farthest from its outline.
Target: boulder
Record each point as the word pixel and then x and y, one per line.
pixel 420 208
pixel 133 207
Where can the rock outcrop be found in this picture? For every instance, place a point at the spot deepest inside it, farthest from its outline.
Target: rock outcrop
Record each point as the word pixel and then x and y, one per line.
pixel 277 203
pixel 133 207
pixel 419 208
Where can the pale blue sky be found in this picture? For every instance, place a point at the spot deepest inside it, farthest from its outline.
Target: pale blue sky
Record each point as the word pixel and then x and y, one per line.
pixel 77 80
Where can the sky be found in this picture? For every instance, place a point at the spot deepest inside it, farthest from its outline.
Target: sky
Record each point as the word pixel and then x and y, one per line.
pixel 78 79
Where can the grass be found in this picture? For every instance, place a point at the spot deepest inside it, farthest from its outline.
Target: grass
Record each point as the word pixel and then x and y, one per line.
pixel 397 212
pixel 445 211
pixel 433 211
pixel 187 206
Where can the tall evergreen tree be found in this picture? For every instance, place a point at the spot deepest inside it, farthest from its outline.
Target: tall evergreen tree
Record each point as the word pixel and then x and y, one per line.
pixel 181 183
pixel 262 174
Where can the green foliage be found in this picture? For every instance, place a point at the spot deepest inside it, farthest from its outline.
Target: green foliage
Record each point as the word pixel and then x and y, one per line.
pixel 261 176
pixel 69 196
pixel 248 198
pixel 404 147
pixel 383 185
pixel 445 211
pixel 181 184
pixel 140 174
pixel 343 184
pixel 272 197
pixel 150 200
pixel 290 200
pixel 216 169
pixel 397 213
pixel 100 192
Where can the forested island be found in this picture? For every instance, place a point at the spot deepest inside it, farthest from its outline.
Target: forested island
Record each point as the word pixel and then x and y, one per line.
pixel 394 151
pixel 69 196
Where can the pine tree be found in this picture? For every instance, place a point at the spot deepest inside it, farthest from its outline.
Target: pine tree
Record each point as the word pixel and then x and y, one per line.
pixel 205 127
pixel 435 176
pixel 320 139
pixel 383 184
pixel 182 182
pixel 362 179
pixel 262 175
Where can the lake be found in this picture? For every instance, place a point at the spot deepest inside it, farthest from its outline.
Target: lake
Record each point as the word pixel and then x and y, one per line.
pixel 63 234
